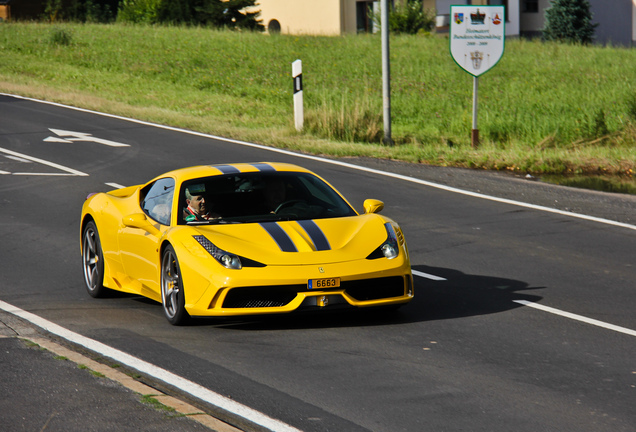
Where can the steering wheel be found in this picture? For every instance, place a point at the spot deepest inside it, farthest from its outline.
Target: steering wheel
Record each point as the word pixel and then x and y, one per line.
pixel 285 204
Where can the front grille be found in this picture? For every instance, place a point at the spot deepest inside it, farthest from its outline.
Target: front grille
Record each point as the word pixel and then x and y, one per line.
pixel 262 296
pixel 375 289
pixel 279 296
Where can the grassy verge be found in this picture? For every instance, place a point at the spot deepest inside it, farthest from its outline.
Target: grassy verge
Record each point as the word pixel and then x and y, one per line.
pixel 545 108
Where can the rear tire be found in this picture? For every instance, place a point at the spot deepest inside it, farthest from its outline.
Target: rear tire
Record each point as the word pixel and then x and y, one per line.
pixel 93 261
pixel 172 293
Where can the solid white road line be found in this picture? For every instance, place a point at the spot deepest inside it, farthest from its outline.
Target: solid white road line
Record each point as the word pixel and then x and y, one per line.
pixel 345 164
pixel 149 369
pixel 577 317
pixel 70 171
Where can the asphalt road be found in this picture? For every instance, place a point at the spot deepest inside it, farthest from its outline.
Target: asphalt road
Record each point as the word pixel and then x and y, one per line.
pixel 464 355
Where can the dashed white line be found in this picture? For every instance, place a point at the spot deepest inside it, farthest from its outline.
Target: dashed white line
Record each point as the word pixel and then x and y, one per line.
pixel 577 317
pixel 549 309
pixel 115 185
pixel 190 387
pixel 427 276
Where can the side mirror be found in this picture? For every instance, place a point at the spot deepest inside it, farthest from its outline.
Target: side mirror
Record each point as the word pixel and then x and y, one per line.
pixel 372 206
pixel 140 221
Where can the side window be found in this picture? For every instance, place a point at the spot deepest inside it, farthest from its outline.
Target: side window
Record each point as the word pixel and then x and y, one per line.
pixel 156 200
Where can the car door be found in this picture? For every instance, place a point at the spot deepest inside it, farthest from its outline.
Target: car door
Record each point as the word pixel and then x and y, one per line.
pixel 139 238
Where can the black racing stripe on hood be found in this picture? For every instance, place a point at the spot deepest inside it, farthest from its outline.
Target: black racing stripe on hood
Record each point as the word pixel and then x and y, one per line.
pixel 316 234
pixel 280 236
pixel 263 167
pixel 227 169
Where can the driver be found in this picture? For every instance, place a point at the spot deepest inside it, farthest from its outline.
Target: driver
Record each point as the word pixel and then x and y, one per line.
pixel 274 193
pixel 197 208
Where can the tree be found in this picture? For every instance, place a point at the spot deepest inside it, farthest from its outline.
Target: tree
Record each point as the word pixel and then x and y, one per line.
pixel 232 14
pixel 569 21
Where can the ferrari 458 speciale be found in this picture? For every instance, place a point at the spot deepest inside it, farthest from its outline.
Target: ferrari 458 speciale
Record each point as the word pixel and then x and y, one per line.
pixel 242 239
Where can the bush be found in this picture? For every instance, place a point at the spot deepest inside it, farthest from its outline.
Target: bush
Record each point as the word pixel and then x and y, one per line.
pixel 93 11
pixel 61 37
pixel 569 21
pixel 139 11
pixel 231 14
pixel 408 18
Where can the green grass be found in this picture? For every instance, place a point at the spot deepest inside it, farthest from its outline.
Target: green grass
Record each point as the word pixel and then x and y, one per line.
pixel 158 406
pixel 545 108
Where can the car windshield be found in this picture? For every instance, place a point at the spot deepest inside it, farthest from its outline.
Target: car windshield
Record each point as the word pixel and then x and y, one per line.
pixel 259 197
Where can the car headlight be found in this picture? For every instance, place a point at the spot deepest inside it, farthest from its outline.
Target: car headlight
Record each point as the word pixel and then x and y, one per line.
pixel 226 259
pixel 390 248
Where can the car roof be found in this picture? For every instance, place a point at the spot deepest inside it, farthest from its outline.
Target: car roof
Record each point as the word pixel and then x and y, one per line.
pixel 184 174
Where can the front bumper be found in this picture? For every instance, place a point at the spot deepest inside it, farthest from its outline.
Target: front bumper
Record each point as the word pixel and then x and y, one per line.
pixel 284 289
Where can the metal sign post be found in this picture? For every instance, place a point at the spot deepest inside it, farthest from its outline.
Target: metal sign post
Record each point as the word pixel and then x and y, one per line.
pixel 386 72
pixel 297 76
pixel 477 36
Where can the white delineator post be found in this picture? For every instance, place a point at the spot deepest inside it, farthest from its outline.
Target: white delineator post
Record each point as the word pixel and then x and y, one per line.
pixel 297 76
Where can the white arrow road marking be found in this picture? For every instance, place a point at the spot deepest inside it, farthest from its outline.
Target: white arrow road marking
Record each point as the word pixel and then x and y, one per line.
pixel 70 136
pixel 68 171
pixel 54 139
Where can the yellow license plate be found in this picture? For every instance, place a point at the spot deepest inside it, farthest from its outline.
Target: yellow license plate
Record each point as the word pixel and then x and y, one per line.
pixel 323 283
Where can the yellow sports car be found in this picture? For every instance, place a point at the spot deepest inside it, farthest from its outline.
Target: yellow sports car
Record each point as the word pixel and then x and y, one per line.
pixel 242 239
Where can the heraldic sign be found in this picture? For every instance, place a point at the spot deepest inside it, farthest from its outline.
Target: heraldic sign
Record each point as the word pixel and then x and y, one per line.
pixel 477 37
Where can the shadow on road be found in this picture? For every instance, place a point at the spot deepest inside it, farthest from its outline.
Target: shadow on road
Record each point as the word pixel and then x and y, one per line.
pixel 460 295
pixel 464 295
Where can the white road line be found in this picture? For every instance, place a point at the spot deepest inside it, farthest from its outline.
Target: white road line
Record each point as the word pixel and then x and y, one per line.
pixel 577 317
pixel 142 366
pixel 427 276
pixel 81 136
pixel 42 161
pixel 344 164
pixel 45 174
pixel 115 185
pixel 284 426
pixel 548 309
pixel 19 159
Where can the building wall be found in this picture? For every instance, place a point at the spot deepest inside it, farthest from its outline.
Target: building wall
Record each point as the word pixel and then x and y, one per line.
pixel 513 23
pixel 634 24
pixel 616 18
pixel 442 8
pixel 615 21
pixel 532 23
pixel 315 17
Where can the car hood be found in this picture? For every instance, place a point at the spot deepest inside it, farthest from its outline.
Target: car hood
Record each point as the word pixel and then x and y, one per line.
pixel 318 241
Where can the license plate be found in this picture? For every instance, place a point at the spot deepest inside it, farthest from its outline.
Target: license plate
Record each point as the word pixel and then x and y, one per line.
pixel 323 283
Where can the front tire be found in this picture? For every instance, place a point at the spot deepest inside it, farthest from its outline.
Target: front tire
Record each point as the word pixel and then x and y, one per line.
pixel 172 294
pixel 93 261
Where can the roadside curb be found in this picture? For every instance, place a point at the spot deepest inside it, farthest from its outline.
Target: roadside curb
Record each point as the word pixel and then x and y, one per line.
pixel 111 373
